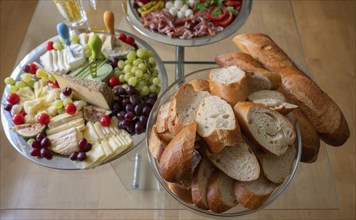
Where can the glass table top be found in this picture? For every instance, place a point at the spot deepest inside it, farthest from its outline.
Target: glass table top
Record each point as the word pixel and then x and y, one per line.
pixel 110 186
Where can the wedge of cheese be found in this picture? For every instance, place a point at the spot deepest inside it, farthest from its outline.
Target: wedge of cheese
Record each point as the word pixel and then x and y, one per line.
pixel 94 157
pixel 76 123
pixel 90 134
pixel 66 141
pixel 63 118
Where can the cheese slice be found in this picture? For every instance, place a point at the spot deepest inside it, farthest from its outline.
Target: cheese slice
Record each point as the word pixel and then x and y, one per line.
pixel 73 123
pixel 99 130
pixel 94 157
pixel 63 118
pixel 90 133
pixel 47 62
pixel 66 144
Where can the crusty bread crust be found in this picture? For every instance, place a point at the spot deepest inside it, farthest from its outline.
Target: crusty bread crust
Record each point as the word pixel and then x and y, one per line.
pixel 162 117
pixel 155 144
pixel 177 158
pixel 183 192
pixel 200 85
pixel 316 105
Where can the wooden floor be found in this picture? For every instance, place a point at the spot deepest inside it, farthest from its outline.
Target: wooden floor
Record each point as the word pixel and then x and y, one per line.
pixel 327 33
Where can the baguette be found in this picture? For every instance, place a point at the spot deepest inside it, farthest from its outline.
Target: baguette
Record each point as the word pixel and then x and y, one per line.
pixel 229 83
pixel 155 144
pixel 183 192
pixel 216 123
pixel 200 85
pixel 258 78
pixel 183 108
pixel 268 128
pixel 162 117
pixel 176 161
pixel 220 193
pixel 315 104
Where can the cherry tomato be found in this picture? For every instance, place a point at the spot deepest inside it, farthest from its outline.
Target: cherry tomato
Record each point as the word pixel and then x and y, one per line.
pixel 27 69
pixel 54 84
pixel 13 98
pixel 33 68
pixel 49 45
pixel 70 108
pixel 105 120
pixel 130 40
pixel 43 119
pixel 235 4
pixel 216 18
pixel 122 37
pixel 18 119
pixel 227 20
pixel 114 81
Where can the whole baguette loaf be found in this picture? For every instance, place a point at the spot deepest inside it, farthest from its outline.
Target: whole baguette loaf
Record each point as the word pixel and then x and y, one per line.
pixel 316 105
pixel 176 161
pixel 258 77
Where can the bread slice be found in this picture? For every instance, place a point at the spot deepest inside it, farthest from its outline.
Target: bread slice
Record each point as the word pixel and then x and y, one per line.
pixel 273 100
pixel 220 193
pixel 200 85
pixel 268 128
pixel 229 83
pixel 277 168
pixel 162 117
pixel 200 183
pixel 216 123
pixel 155 144
pixel 183 192
pixel 183 107
pixel 258 78
pixel 176 161
pixel 253 194
pixel 238 161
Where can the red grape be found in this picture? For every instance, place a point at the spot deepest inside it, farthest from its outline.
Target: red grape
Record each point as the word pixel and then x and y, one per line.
pixel 18 119
pixel 122 37
pixel 45 143
pixel 129 116
pixel 82 156
pixel 35 152
pixel 13 98
pixel 134 100
pixel 49 45
pixel 114 81
pixel 73 156
pixel 70 108
pixel 7 107
pixel 33 68
pixel 27 69
pixel 153 96
pixel 40 137
pixel 46 153
pixel 43 119
pixel 82 143
pixel 143 119
pixel 146 111
pixel 150 102
pixel 139 128
pixel 129 108
pixel 121 115
pixel 36 144
pixel 67 91
pixel 131 90
pixel 138 109
pixel 87 147
pixel 105 120
pixel 130 40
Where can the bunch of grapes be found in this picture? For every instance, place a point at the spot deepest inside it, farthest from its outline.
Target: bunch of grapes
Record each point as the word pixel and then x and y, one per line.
pixel 131 110
pixel 139 70
pixel 40 147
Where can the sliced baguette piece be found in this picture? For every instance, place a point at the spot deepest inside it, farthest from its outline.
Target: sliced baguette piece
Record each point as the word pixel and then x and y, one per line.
pixel 253 194
pixel 238 161
pixel 165 136
pixel 277 168
pixel 229 83
pixel 258 78
pixel 155 144
pixel 310 138
pixel 177 158
pixel 268 128
pixel 162 117
pixel 220 193
pixel 183 192
pixel 200 85
pixel 216 123
pixel 273 100
pixel 200 183
pixel 183 108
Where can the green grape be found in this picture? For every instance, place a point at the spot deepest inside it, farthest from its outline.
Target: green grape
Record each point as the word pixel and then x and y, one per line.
pixel 127 62
pixel 153 88
pixel 13 89
pixel 45 77
pixel 150 53
pixel 131 56
pixel 127 76
pixel 60 111
pixel 122 77
pixel 30 141
pixel 145 91
pixel 66 101
pixel 134 69
pixel 127 68
pixel 158 90
pixel 57 46
pixel 125 86
pixel 117 72
pixel 31 83
pixel 20 84
pixel 58 104
pixel 9 81
pixel 40 73
pixel 121 64
pixel 155 72
pixel 141 84
pixel 139 74
pixel 146 77
pixel 137 62
pixel 26 77
pixel 156 81
pixel 51 77
pixel 152 61
pixel 142 66
pixel 141 52
pixel 74 39
pixel 87 53
pixel 132 81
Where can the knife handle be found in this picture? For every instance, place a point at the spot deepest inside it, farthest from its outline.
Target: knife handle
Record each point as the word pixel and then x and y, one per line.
pixel 63 32
pixel 109 21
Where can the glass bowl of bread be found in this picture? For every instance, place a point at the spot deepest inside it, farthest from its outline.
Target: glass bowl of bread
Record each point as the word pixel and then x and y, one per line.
pixel 219 145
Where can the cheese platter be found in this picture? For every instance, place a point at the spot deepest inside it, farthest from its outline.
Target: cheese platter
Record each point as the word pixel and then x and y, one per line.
pixel 81 100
